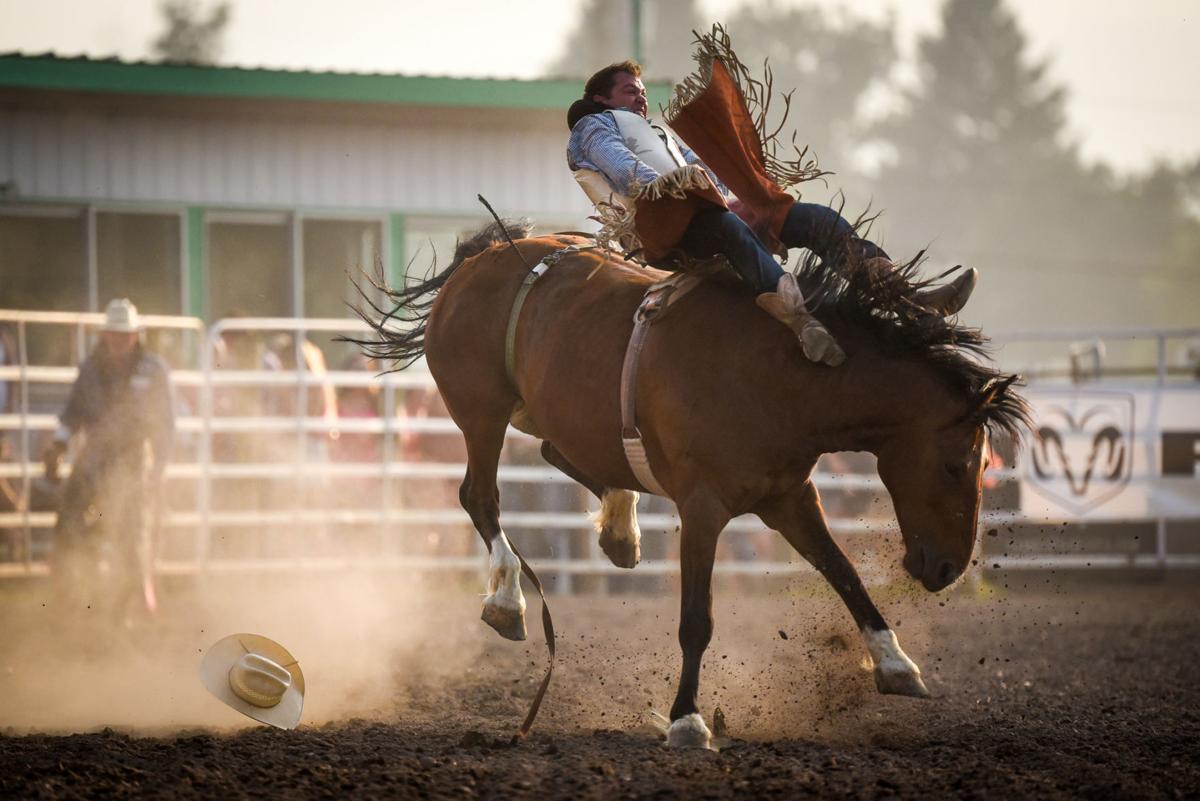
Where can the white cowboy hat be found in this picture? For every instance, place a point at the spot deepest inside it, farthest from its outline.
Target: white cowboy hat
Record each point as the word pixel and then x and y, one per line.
pixel 257 677
pixel 121 316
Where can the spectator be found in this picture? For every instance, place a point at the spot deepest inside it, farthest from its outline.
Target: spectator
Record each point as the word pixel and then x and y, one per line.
pixel 358 403
pixel 121 401
pixel 235 351
pixel 308 450
pixel 432 494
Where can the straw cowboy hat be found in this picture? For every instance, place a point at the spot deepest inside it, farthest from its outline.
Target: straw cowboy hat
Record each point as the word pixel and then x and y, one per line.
pixel 257 677
pixel 121 316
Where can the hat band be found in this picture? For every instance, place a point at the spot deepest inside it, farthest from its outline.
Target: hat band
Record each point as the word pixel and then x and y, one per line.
pixel 249 695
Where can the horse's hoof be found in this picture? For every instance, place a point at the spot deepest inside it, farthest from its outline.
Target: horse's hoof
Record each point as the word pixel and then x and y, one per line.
pixel 900 682
pixel 621 551
pixel 689 732
pixel 508 622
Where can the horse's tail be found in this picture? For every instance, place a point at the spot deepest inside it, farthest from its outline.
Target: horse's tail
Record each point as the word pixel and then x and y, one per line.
pixel 399 332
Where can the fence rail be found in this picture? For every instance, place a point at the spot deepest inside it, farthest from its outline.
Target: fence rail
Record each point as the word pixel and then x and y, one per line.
pixel 198 475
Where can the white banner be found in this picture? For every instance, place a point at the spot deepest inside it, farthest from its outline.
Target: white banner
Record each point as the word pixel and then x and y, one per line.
pixel 1112 454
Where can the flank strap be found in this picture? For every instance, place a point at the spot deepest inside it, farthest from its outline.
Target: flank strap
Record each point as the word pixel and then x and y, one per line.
pixel 657 300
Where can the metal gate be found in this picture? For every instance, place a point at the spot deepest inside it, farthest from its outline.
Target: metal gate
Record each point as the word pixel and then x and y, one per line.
pixel 267 476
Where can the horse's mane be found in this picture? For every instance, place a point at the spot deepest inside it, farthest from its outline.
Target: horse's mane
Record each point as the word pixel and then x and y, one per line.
pixel 885 309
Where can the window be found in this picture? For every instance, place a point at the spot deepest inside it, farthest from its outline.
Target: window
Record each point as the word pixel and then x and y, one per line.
pixel 43 259
pixel 249 265
pixel 426 237
pixel 43 267
pixel 336 254
pixel 138 257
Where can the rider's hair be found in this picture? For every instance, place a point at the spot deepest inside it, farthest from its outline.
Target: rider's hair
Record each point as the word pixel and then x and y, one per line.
pixel 602 82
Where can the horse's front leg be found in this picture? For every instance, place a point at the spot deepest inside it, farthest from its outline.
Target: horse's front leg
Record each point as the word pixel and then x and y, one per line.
pixel 702 518
pixel 801 521
pixel 616 523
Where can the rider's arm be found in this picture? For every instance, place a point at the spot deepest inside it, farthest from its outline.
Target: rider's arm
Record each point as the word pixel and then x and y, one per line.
pixel 596 144
pixel 691 158
pixel 75 415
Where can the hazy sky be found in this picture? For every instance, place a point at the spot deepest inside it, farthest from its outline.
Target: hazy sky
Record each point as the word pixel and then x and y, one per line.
pixel 1130 67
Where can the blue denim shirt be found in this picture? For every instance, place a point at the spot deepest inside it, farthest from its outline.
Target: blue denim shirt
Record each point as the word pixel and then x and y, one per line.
pixel 596 144
pixel 119 412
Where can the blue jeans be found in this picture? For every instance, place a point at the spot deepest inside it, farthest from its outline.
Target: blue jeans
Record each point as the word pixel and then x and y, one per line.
pixel 808 225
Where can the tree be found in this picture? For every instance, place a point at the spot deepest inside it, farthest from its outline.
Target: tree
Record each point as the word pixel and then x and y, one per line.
pixel 981 167
pixel 827 60
pixel 190 37
pixel 981 126
pixel 605 34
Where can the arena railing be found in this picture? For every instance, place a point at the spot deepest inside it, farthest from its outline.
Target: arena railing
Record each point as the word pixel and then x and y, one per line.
pixel 1090 346
pixel 571 550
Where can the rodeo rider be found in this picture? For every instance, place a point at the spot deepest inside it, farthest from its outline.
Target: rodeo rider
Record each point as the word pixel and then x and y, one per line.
pixel 611 135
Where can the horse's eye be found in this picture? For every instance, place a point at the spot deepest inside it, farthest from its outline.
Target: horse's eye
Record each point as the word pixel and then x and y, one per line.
pixel 955 470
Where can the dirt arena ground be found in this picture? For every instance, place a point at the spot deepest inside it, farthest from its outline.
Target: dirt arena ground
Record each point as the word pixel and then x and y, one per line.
pixel 1046 688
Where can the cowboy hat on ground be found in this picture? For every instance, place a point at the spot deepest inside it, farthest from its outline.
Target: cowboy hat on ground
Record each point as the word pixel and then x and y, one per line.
pixel 257 677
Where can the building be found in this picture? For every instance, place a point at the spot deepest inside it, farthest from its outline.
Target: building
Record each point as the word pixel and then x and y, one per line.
pixel 215 190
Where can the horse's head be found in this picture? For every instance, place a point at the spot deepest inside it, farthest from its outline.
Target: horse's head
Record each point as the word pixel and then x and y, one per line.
pixel 934 474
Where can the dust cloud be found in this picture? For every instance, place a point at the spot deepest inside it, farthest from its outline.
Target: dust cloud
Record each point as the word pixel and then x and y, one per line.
pixel 360 639
pixel 786 659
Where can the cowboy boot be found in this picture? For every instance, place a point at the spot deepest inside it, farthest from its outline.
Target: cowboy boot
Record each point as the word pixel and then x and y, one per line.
pixel 949 298
pixel 786 305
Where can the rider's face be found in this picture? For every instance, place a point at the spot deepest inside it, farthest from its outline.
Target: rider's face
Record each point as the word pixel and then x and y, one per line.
pixel 628 93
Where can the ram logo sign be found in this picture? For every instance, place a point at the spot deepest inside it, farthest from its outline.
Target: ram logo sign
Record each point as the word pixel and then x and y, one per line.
pixel 1081 454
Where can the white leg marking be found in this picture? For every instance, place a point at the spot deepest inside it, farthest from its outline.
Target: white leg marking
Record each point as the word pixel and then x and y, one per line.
pixel 504 578
pixel 895 673
pixel 618 512
pixel 504 606
pixel 617 525
pixel 689 732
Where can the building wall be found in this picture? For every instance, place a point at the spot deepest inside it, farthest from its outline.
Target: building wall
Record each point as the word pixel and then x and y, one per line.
pixel 290 155
pixel 265 205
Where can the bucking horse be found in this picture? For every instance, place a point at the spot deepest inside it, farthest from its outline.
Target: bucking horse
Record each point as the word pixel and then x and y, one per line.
pixel 733 417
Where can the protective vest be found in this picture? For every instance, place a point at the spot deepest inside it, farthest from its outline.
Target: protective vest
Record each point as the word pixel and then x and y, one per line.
pixel 649 142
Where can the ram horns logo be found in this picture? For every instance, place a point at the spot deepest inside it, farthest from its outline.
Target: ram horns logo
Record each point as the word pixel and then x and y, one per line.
pixel 1082 455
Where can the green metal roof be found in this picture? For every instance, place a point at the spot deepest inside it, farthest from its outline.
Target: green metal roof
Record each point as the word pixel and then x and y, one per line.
pixel 50 72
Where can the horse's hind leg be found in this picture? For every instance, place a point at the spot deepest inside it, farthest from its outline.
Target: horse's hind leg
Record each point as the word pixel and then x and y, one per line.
pixel 616 523
pixel 504 605
pixel 801 521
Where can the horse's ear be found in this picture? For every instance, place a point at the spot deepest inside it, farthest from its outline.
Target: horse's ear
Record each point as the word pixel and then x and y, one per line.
pixel 992 391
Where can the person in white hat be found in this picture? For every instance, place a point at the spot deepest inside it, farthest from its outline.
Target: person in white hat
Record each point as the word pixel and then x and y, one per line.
pixel 256 676
pixel 121 400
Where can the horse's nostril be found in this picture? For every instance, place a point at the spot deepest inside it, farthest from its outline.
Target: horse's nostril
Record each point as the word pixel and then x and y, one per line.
pixel 946 573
